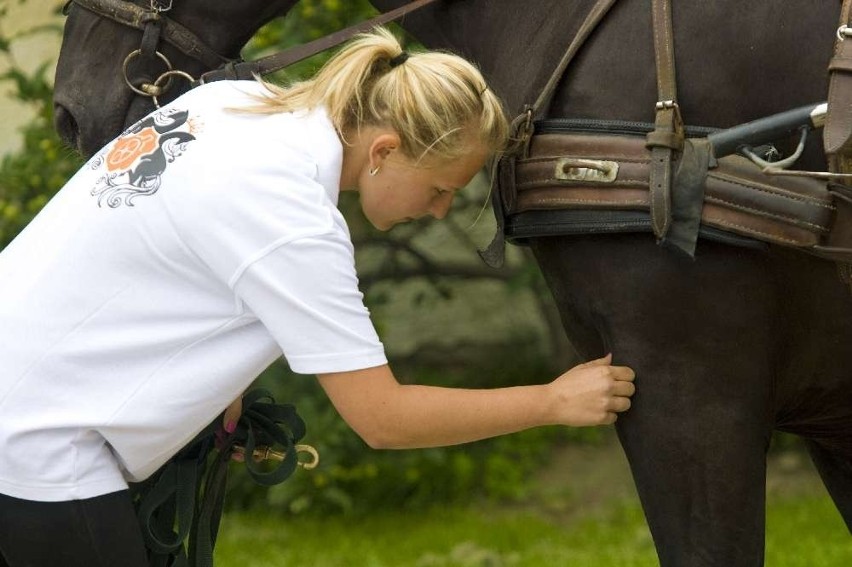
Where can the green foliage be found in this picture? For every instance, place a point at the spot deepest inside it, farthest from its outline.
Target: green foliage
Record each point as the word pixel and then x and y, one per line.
pixel 308 20
pixel 30 177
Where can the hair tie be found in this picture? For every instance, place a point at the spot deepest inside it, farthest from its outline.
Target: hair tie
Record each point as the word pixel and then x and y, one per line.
pixel 399 59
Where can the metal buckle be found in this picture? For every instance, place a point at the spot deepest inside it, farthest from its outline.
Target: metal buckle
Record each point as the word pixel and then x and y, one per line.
pixel 576 169
pixel 160 6
pixel 843 32
pixel 665 105
pixel 265 453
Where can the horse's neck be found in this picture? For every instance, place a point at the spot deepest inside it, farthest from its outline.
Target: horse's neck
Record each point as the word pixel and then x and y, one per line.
pixel 227 26
pixel 516 44
pixel 768 56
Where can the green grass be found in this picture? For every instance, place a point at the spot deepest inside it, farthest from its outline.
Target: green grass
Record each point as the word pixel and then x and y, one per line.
pixel 581 510
pixel 802 530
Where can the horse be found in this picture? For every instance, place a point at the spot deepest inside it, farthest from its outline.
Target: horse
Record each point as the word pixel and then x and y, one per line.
pixel 740 341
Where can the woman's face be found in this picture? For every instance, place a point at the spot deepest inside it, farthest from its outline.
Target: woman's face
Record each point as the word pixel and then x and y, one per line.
pixel 403 190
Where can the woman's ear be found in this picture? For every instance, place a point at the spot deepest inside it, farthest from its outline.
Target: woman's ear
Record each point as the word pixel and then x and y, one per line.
pixel 381 147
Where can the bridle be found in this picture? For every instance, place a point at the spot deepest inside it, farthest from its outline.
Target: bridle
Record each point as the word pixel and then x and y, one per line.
pixel 157 27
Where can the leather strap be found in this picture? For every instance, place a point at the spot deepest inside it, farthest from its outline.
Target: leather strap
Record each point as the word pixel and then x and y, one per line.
pixel 668 135
pixel 282 59
pixel 837 136
pixel 502 171
pixel 134 16
pixel 593 18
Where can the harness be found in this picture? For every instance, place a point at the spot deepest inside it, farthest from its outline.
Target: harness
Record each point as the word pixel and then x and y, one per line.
pixel 593 176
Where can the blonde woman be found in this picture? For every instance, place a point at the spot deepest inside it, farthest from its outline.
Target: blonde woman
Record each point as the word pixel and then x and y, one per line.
pixel 204 243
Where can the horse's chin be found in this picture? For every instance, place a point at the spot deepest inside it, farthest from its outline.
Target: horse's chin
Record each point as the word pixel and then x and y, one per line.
pixel 90 139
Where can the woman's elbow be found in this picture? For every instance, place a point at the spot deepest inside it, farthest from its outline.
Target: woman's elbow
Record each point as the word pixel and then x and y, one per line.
pixel 380 438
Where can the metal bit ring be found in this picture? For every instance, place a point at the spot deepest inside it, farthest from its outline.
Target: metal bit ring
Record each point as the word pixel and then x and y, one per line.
pixel 142 91
pixel 168 76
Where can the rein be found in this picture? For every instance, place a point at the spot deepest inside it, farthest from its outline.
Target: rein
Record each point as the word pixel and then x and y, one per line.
pixel 156 26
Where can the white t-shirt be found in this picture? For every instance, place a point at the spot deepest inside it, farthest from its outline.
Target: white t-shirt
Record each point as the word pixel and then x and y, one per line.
pixel 161 280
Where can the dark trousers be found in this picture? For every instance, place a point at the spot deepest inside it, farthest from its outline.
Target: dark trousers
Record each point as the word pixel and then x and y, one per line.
pixel 96 532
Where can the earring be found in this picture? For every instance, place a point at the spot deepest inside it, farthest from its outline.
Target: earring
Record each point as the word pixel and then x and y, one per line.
pixel 375 170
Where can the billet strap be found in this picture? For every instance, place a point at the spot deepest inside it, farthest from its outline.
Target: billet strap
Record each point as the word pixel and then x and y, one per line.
pixel 593 18
pixel 837 136
pixel 668 135
pixel 522 129
pixel 277 61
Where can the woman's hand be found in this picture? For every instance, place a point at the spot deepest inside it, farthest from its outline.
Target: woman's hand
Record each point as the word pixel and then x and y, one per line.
pixel 592 393
pixel 229 425
pixel 232 415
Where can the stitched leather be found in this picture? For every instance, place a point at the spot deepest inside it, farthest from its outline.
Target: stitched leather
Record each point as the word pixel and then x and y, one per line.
pixel 668 133
pixel 738 197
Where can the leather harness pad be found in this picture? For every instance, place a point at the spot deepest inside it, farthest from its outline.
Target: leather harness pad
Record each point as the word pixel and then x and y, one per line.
pixel 595 172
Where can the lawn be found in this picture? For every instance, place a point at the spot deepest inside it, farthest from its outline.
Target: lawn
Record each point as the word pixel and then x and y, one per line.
pixel 593 521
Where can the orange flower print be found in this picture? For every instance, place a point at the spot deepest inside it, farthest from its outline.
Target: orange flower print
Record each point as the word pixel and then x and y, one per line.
pixel 128 148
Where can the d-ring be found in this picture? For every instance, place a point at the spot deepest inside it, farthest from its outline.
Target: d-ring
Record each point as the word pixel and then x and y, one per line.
pixel 168 75
pixel 134 88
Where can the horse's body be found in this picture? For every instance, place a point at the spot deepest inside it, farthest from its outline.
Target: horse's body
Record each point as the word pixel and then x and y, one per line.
pixel 727 348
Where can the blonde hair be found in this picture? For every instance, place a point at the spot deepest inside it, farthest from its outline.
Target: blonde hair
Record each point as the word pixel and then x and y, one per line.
pixel 435 101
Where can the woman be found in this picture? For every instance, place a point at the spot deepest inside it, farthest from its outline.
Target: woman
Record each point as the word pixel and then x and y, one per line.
pixel 203 243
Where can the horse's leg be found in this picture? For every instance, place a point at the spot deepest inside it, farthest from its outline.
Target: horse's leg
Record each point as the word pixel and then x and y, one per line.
pixel 835 469
pixel 814 392
pixel 700 337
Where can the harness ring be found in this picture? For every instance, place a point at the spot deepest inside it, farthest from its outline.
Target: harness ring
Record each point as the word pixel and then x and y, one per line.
pixel 146 89
pixel 168 75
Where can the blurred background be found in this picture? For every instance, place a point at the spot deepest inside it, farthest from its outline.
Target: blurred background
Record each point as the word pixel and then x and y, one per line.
pixel 550 496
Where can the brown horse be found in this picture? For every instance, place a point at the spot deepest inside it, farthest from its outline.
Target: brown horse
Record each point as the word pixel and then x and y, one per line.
pixel 728 347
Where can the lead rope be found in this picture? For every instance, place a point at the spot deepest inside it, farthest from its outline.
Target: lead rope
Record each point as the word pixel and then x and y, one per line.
pixel 180 506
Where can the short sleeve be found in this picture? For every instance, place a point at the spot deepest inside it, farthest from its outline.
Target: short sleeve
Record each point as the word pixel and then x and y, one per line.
pixel 306 294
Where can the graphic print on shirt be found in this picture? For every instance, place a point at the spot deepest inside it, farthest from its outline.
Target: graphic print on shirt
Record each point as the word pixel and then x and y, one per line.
pixel 135 162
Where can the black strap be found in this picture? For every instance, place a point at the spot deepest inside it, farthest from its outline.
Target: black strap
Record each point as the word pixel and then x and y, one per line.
pixel 277 61
pixel 180 506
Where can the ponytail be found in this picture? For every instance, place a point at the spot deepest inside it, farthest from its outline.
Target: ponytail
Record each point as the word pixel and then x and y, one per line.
pixel 433 100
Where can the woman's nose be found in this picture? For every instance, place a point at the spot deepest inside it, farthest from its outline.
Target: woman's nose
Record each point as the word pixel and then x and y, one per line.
pixel 441 206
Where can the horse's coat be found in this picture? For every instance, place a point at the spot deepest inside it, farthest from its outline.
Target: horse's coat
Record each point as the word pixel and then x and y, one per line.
pixel 727 348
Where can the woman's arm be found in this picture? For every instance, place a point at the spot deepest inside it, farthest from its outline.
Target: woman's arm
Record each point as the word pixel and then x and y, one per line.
pixel 390 415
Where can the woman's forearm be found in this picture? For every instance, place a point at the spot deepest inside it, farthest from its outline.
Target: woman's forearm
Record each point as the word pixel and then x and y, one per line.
pixel 389 415
pixel 428 416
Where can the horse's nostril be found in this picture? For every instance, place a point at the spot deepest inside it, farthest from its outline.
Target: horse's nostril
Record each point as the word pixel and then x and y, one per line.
pixel 66 126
